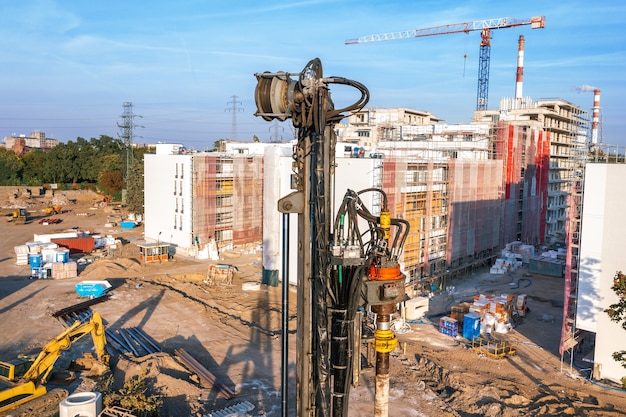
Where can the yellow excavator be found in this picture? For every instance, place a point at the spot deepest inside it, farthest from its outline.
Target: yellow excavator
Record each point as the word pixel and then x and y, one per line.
pixel 53 209
pixel 19 216
pixel 27 377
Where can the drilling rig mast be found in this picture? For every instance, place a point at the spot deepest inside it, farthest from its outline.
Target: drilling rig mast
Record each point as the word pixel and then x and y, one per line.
pixel 485 26
pixel 340 268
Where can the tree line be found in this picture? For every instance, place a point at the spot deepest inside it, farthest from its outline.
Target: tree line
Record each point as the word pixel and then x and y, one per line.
pixel 98 164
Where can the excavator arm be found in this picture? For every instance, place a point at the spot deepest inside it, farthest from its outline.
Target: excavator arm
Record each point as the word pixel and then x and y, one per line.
pixel 42 366
pixel 32 383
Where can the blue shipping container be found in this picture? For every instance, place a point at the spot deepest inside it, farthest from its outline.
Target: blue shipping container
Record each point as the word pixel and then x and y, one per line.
pixel 471 326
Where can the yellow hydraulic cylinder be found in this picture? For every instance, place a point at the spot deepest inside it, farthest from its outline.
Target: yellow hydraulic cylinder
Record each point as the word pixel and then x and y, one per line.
pixel 385 222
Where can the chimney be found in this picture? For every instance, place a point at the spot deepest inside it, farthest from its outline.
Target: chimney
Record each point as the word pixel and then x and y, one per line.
pixel 596 116
pixel 520 69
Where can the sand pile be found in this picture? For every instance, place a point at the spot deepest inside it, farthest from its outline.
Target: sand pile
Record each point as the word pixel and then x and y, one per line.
pixel 118 268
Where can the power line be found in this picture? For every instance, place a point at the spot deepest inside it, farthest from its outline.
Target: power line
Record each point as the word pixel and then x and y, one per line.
pixel 234 109
pixel 127 134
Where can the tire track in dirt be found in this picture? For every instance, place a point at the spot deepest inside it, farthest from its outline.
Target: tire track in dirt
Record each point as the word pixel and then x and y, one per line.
pixel 467 394
pixel 220 311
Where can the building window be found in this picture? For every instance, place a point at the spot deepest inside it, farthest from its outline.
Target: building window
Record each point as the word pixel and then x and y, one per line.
pixel 224 201
pixel 363 133
pixel 175 187
pixel 182 170
pixel 223 235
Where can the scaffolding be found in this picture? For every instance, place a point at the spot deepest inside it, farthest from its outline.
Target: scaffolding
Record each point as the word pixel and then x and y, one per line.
pixel 475 212
pixel 227 199
pixel 525 153
pixel 575 176
pixel 452 204
pixel 247 224
pixel 417 191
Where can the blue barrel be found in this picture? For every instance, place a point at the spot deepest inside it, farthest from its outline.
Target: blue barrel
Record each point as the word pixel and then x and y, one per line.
pixel 62 255
pixel 34 259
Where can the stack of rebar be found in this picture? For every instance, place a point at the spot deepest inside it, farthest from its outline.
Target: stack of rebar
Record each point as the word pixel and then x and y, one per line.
pixel 133 341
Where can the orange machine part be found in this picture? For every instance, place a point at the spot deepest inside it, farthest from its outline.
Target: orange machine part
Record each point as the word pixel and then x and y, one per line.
pixel 384 274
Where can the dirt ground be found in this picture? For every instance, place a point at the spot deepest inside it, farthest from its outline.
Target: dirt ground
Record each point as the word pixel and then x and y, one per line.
pixel 234 331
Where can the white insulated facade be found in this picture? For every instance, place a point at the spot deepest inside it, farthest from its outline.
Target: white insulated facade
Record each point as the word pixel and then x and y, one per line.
pixel 601 257
pixel 351 173
pixel 168 196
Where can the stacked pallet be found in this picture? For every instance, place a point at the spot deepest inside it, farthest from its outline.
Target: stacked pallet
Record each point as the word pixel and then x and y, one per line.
pixel 486 314
pixel 64 270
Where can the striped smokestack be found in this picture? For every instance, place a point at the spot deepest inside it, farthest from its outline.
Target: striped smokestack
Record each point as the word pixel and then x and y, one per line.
pixel 596 116
pixel 520 69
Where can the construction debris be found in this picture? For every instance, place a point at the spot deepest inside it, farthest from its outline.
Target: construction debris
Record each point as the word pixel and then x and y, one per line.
pixel 48 221
pixel 236 410
pixel 114 411
pixel 207 377
pixel 220 274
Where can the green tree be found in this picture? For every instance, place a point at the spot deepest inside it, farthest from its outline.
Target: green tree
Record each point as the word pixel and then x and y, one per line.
pixel 34 172
pixel 617 313
pixel 107 145
pixel 218 145
pixel 87 161
pixel 111 182
pixel 10 167
pixel 134 189
pixel 61 163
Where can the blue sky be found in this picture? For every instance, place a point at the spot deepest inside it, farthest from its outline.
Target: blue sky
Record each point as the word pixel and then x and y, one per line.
pixel 66 67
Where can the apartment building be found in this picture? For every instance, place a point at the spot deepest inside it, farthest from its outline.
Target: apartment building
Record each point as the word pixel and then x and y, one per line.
pixel 36 140
pixel 197 199
pixel 549 128
pixel 369 126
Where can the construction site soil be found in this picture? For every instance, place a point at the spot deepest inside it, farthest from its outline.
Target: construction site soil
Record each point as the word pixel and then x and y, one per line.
pixel 234 331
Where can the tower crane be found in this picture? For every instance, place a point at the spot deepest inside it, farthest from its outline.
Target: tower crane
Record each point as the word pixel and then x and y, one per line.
pixel 485 26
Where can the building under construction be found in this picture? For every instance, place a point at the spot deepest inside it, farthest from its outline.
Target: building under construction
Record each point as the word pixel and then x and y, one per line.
pixel 201 202
pixel 541 144
pixel 446 187
pixel 449 190
pixel 466 190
